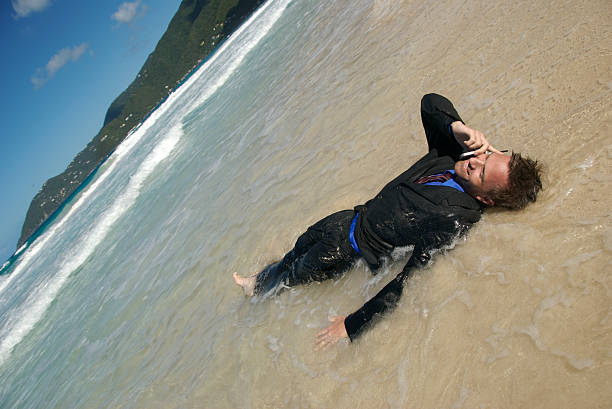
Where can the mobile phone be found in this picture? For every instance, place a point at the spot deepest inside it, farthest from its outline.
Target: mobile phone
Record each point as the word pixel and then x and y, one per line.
pixel 467 155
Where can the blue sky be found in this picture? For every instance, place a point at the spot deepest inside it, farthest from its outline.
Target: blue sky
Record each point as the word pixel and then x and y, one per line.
pixel 63 63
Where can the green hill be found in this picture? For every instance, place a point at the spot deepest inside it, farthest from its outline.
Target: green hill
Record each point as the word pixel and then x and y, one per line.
pixel 195 30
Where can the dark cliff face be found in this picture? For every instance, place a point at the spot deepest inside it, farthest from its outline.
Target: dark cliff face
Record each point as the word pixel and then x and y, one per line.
pixel 195 30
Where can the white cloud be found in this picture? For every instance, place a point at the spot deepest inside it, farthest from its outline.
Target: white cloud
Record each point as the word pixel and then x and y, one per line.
pixel 61 58
pixel 24 8
pixel 126 12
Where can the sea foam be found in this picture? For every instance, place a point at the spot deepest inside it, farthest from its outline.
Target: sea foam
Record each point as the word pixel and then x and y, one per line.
pixel 41 298
pixel 247 43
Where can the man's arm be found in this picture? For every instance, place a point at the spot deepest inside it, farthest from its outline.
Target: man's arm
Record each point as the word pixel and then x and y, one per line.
pixel 354 324
pixel 446 131
pixel 437 115
pixel 437 233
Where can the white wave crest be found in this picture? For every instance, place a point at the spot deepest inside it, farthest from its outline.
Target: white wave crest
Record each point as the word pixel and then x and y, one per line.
pixel 41 298
pixel 20 250
pixel 248 42
pixel 114 160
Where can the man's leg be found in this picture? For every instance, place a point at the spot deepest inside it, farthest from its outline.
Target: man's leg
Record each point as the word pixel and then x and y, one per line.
pixel 322 252
pixel 271 276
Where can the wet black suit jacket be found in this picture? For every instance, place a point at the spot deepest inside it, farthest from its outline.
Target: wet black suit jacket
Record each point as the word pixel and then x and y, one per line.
pixel 406 213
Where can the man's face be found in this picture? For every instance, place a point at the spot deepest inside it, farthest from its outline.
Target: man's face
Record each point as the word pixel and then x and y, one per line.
pixel 480 174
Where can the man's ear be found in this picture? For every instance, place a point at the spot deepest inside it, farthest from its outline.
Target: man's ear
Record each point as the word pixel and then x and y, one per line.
pixel 486 200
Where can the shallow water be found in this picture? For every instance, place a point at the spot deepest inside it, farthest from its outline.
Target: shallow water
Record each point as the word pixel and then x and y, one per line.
pixel 127 299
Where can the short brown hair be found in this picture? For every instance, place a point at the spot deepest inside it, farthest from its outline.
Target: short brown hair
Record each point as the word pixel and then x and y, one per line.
pixel 523 183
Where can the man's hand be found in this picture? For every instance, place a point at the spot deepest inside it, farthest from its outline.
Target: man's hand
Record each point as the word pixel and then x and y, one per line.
pixel 471 139
pixel 332 334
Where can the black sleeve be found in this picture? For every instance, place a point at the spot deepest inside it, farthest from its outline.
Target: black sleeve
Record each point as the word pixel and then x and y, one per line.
pixel 437 113
pixel 437 233
pixel 386 299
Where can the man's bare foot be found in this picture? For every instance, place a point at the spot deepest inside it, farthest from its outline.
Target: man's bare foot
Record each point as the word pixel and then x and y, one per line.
pixel 247 283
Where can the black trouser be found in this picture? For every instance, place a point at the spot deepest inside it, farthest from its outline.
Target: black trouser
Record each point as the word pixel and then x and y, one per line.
pixel 322 252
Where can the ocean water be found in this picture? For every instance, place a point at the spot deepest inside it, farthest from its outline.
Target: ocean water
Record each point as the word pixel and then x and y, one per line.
pixel 126 299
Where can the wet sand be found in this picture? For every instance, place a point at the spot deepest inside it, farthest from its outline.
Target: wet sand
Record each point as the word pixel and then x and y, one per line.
pixel 519 315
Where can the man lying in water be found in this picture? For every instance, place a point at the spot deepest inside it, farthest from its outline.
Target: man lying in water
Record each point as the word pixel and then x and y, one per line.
pixel 428 206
